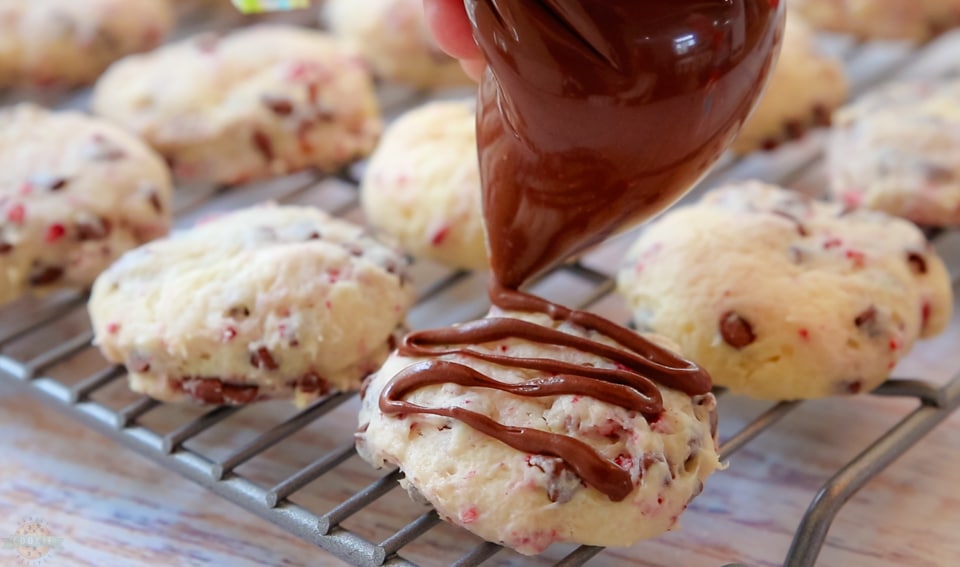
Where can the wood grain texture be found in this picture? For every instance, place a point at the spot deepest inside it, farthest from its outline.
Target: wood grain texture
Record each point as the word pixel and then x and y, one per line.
pixel 113 507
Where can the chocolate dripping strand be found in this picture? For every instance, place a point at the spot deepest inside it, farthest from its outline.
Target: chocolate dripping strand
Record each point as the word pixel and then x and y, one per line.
pixel 595 470
pixel 656 362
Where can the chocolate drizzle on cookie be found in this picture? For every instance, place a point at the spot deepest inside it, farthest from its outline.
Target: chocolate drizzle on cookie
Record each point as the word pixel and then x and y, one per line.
pixel 631 385
pixel 592 116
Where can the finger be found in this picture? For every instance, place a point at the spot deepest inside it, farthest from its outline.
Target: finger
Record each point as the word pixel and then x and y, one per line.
pixel 451 27
pixel 474 68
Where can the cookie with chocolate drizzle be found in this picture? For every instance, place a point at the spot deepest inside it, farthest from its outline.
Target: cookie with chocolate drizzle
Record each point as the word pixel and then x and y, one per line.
pixel 539 423
pixel 528 430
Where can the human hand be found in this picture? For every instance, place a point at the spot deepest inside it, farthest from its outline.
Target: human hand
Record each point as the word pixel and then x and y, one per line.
pixel 448 21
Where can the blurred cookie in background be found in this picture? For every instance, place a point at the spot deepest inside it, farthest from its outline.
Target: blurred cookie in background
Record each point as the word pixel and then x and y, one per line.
pixel 804 89
pixel 75 193
pixel 897 150
pixel 260 101
pixel 68 43
pixel 913 20
pixel 393 37
pixel 422 185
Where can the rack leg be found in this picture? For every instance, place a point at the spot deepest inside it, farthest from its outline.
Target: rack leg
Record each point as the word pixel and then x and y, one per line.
pixel 838 490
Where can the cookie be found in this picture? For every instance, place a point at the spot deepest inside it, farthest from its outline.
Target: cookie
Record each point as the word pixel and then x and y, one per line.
pixel 395 40
pixel 422 185
pixel 805 87
pixel 266 302
pixel 780 297
pixel 913 20
pixel 67 43
pixel 898 150
pixel 528 501
pixel 261 101
pixel 75 193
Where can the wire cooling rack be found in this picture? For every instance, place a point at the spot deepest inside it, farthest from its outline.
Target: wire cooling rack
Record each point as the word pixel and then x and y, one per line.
pixel 45 349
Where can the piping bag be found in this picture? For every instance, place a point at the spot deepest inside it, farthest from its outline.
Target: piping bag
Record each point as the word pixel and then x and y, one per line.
pixel 595 115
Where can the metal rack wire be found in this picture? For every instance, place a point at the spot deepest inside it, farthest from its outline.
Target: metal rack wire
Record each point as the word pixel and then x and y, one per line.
pixel 170 447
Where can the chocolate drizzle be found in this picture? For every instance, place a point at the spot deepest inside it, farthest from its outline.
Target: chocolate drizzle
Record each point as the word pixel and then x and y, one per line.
pixel 593 115
pixel 629 385
pixel 640 360
pixel 593 469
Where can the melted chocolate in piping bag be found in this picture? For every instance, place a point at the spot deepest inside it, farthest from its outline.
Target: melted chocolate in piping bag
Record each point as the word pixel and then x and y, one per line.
pixel 593 115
